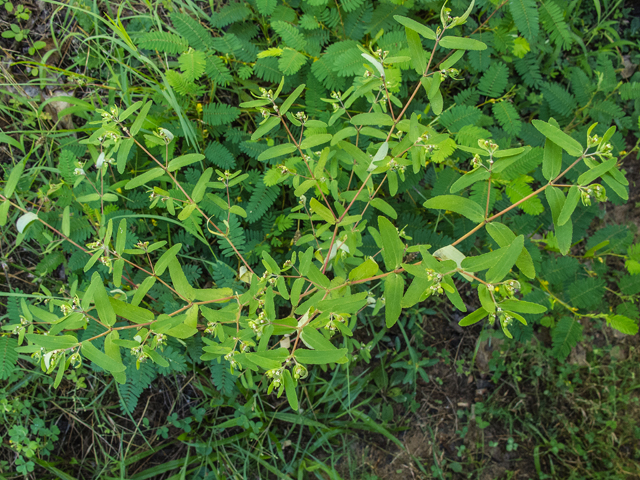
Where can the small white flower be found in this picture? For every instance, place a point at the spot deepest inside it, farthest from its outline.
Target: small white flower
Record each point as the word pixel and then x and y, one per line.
pixel 100 160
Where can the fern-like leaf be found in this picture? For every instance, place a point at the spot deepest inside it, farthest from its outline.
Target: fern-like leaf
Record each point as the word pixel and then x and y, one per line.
pixel 630 91
pixel 181 83
pixel 529 69
pixel 67 166
pixel 582 86
pixel 519 189
pixel 165 42
pixel 220 114
pixel 176 359
pixel 8 356
pixel 469 96
pixel 218 154
pixel 268 70
pixel 552 17
pixel 469 134
pixel 494 81
pixel 217 71
pixel 559 270
pixel 266 7
pixel 605 111
pixel 566 335
pixel 459 116
pixel 236 237
pixel 349 63
pixel 356 22
pixel 192 64
pixel 227 44
pixel 629 284
pixel 49 263
pixel 137 381
pixel 351 5
pixel 222 378
pixel 253 149
pixel 586 293
pixel 197 36
pixel 261 200
pixel 525 16
pixel 289 34
pixel 291 61
pixel 559 99
pixel 230 13
pixel 383 16
pixel 507 117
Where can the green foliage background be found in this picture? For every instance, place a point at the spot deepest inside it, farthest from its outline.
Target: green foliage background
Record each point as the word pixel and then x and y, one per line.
pixel 545 59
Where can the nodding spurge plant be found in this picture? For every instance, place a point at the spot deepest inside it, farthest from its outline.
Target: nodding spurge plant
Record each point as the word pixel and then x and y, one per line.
pixel 280 316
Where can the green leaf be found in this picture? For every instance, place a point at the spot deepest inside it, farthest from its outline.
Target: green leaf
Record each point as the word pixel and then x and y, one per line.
pixel 144 178
pixel 392 246
pixel 569 206
pixel 416 51
pixel 163 262
pixel 502 267
pixel 393 291
pixel 142 290
pixel 522 306
pixel 12 181
pixel 482 262
pixel 101 299
pixel 179 280
pixel 461 205
pixel 463 19
pixel 315 140
pixel 184 160
pixel 277 151
pixel 265 128
pixel 503 236
pixel 4 212
pixel 565 336
pixel 91 197
pixel 452 60
pixel 270 264
pixel 286 105
pixel 290 390
pixel 322 211
pixel 121 236
pixel 101 359
pixel 459 43
pixel 426 32
pixel 123 153
pixel 623 324
pixel 317 357
pixel 62 360
pixel 291 61
pixel 366 269
pixel 296 289
pixel 315 340
pixel 384 207
pixel 473 317
pixel 378 119
pixel 590 175
pixel 66 221
pixel 557 136
pixel 52 342
pixel 198 191
pixel 564 233
pixel 137 124
pixel 131 312
pixel 469 179
pixel 348 304
pixel 552 160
